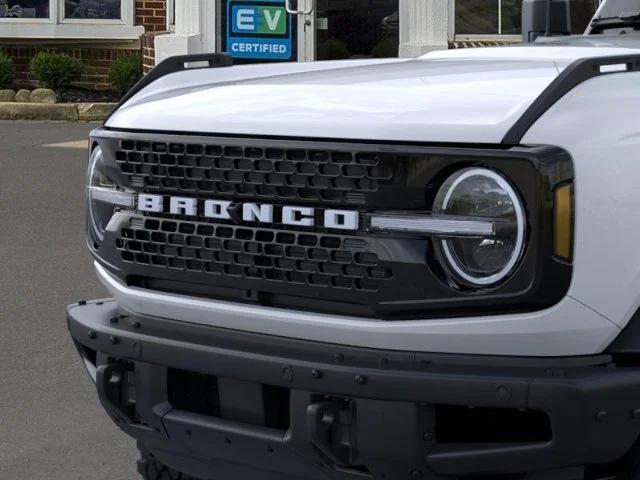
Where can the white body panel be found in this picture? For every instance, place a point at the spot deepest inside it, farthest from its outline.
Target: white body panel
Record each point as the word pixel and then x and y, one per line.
pixel 404 100
pixel 599 124
pixel 471 96
pixel 569 328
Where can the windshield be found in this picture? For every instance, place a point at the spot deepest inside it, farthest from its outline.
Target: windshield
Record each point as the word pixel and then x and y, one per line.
pixel 616 16
pixel 618 8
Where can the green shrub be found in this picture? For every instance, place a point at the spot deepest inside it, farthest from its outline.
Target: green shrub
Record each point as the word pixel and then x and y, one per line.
pixel 6 71
pixel 55 70
pixel 125 72
pixel 333 49
pixel 387 47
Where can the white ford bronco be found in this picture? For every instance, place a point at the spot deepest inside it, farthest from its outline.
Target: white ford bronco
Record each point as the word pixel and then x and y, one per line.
pixel 375 269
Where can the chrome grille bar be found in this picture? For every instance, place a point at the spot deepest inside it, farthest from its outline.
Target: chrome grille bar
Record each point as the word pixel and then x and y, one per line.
pixel 432 225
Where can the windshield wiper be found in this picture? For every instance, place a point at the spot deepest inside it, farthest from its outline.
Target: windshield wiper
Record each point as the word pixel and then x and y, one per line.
pixel 621 21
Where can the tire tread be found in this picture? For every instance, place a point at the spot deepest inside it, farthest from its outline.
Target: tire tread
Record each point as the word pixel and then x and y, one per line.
pixel 151 469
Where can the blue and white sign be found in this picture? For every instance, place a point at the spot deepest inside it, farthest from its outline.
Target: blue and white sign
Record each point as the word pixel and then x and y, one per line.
pixel 259 29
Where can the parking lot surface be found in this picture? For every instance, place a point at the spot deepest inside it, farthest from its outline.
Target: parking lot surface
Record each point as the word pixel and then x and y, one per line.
pixel 51 424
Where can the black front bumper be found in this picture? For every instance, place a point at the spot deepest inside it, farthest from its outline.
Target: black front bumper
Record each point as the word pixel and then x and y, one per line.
pixel 345 412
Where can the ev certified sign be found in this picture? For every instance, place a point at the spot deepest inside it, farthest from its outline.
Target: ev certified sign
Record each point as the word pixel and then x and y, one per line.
pixel 259 29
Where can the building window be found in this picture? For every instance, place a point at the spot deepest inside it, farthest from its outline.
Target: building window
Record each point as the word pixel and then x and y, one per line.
pixel 93 9
pixel 24 9
pixel 504 17
pixel 357 29
pixel 488 17
pixel 69 19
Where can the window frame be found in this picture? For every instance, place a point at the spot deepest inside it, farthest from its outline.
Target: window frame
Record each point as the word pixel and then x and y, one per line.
pixel 455 36
pixel 59 27
pixel 53 12
pixel 126 12
pixel 171 15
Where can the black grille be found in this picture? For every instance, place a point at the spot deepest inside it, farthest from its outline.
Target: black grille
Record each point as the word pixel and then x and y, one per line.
pixel 275 173
pixel 318 269
pixel 259 254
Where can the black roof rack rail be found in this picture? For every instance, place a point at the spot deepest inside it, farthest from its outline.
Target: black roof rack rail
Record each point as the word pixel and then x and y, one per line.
pixel 176 64
pixel 575 74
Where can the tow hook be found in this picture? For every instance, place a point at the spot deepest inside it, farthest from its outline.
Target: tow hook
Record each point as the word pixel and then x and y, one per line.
pixel 331 425
pixel 376 437
pixel 110 381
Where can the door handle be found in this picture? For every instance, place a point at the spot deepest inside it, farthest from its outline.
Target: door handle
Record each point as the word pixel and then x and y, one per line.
pixel 293 11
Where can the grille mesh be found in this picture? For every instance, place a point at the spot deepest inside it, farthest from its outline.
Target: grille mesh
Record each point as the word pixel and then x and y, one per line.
pixel 278 256
pixel 316 268
pixel 274 173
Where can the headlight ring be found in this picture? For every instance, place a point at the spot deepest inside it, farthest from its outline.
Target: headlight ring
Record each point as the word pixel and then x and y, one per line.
pixel 481 261
pixel 104 197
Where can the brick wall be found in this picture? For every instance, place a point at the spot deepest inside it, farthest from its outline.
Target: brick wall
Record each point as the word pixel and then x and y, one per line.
pixel 95 60
pixel 149 51
pixel 151 14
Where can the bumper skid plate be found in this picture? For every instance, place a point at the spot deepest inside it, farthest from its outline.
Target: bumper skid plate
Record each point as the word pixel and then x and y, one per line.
pixel 220 403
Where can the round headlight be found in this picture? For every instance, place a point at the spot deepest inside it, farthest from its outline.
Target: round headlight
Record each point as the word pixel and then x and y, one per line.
pixel 103 196
pixel 474 193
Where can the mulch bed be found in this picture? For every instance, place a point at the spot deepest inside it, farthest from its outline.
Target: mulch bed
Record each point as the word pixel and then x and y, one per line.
pixel 80 95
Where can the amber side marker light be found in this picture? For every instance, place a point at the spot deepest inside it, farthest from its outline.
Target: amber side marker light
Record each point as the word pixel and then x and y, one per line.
pixel 563 222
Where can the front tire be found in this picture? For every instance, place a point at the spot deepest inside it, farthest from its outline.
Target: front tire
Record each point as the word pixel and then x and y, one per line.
pixel 151 469
pixel 630 465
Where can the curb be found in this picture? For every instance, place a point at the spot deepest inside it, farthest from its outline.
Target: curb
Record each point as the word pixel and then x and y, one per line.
pixel 70 112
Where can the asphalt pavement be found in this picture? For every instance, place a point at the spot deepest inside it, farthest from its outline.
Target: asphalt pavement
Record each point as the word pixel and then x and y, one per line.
pixel 51 424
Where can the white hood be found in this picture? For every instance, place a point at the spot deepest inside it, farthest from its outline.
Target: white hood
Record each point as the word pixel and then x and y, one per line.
pixel 470 96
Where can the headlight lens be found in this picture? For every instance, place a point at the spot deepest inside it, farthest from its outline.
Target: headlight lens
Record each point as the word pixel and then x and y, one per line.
pixel 481 193
pixel 104 197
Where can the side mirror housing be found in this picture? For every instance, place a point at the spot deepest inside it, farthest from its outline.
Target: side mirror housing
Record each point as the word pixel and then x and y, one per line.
pixel 535 15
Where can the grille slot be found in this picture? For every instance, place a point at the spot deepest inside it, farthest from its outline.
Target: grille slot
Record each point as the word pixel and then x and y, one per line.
pixel 315 268
pixel 340 177
pixel 315 260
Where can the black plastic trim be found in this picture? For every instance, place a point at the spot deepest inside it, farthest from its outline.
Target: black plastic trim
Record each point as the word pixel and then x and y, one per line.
pixel 628 341
pixel 173 65
pixel 113 132
pixel 591 404
pixel 539 282
pixel 575 74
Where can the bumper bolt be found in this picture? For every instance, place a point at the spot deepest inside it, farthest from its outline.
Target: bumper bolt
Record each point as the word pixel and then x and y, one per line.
pixel 317 374
pixel 601 416
pixel 113 319
pixel 361 380
pixel 287 374
pixel 503 393
pixel 136 325
pixel 635 413
pixel 338 357
pixel 428 437
pixel 114 340
pixel 92 335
